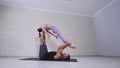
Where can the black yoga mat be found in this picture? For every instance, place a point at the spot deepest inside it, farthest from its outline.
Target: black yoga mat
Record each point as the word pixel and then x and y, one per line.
pixel 37 59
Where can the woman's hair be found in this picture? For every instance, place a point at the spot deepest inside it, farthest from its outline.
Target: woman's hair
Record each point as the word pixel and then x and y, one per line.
pixel 39 30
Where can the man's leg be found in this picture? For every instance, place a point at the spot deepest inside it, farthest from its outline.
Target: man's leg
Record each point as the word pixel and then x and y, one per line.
pixel 43 48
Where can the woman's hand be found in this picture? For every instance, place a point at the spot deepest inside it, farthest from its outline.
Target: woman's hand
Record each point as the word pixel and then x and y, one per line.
pixel 48 35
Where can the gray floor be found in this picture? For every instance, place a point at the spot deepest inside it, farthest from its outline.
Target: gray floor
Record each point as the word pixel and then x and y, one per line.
pixel 83 62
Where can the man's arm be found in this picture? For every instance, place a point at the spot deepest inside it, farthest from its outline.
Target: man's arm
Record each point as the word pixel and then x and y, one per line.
pixel 60 50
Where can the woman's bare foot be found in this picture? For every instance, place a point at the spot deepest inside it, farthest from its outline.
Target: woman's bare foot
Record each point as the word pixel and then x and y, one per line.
pixel 71 45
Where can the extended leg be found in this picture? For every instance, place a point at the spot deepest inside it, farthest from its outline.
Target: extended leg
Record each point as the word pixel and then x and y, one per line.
pixel 43 48
pixel 55 30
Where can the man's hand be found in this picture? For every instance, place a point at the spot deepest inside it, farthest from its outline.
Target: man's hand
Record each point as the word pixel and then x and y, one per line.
pixel 57 57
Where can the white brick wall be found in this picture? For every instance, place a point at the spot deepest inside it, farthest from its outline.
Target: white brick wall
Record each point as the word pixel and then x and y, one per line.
pixel 18 35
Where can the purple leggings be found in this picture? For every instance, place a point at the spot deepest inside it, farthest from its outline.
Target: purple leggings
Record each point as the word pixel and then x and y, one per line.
pixel 56 31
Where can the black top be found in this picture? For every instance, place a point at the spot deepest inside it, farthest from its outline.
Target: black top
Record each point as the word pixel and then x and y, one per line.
pixel 49 55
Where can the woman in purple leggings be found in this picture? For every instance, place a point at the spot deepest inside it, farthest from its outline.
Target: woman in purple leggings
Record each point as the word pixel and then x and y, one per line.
pixel 52 30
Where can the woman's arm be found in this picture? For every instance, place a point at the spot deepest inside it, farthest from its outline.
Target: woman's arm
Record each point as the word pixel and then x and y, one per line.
pixel 53 34
pixel 46 32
